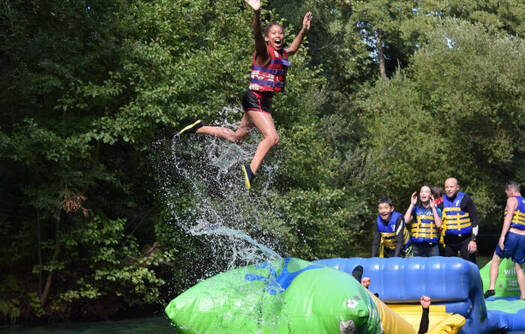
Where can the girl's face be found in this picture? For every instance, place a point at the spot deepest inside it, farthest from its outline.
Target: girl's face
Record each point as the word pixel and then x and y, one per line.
pixel 424 194
pixel 274 37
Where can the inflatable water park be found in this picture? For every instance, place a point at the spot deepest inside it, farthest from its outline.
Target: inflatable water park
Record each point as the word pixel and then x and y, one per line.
pixel 291 295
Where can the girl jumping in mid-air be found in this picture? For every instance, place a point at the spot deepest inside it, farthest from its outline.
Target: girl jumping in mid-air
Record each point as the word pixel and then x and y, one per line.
pixel 269 66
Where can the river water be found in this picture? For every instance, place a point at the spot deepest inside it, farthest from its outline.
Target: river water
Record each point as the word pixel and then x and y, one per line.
pixel 135 326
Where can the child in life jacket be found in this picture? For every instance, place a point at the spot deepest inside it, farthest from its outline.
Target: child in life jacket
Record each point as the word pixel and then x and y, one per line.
pixel 268 76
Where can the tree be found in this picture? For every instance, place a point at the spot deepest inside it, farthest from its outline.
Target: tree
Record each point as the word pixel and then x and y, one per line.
pixel 456 110
pixel 87 88
pixel 507 16
pixel 380 22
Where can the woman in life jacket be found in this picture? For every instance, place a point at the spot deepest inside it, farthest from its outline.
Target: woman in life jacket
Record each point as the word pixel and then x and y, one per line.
pixel 425 220
pixel 268 76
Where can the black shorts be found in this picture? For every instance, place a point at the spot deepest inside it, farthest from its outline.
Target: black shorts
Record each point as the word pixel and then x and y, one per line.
pixel 257 101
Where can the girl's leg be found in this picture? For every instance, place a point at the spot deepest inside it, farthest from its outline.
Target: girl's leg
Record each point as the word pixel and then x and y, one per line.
pixel 264 122
pixel 228 134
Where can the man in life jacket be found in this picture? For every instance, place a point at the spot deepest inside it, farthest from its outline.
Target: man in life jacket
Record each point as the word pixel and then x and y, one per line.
pixel 512 239
pixel 459 222
pixel 390 235
pixel 268 76
pixel 424 231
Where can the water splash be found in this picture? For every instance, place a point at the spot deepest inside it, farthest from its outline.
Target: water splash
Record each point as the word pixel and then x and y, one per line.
pixel 203 188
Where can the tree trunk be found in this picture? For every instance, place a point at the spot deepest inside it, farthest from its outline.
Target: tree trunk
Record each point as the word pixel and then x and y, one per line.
pixel 45 294
pixel 380 54
pixel 39 236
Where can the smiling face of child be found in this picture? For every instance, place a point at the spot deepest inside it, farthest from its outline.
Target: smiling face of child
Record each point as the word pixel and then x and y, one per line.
pixel 385 210
pixel 274 36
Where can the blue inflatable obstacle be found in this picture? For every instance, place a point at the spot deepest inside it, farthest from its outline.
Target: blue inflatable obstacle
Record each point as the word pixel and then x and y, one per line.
pixel 508 313
pixel 505 308
pixel 454 285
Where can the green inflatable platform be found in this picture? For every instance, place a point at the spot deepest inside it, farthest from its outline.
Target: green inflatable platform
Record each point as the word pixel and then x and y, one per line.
pixel 284 296
pixel 507 283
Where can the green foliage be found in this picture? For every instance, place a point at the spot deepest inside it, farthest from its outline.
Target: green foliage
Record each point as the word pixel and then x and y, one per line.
pixel 323 223
pixel 10 304
pixel 403 137
pixel 181 62
pixel 395 25
pixel 10 310
pixel 55 89
pixel 480 89
pixel 87 87
pixel 103 265
pixel 334 45
pixel 456 111
pixel 494 15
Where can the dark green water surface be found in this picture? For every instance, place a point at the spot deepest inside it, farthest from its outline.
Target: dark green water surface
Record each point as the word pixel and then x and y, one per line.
pixel 135 326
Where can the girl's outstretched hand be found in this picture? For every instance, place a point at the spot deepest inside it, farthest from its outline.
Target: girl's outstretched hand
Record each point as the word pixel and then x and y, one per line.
pixel 306 20
pixel 255 4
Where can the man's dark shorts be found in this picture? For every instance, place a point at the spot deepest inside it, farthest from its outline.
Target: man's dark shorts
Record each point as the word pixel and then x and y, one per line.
pixel 257 101
pixel 514 248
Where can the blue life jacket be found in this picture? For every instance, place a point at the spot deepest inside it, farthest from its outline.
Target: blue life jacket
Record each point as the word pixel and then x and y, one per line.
pixel 518 219
pixel 388 232
pixel 424 229
pixel 455 220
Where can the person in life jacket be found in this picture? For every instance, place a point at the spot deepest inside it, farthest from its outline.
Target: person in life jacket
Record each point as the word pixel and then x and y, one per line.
pixel 512 239
pixel 459 222
pixel 437 193
pixel 268 76
pixel 424 231
pixel 390 235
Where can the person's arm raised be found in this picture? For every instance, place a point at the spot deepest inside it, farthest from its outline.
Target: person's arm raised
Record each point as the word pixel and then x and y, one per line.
pixel 300 36
pixel 423 324
pixel 408 213
pixel 262 56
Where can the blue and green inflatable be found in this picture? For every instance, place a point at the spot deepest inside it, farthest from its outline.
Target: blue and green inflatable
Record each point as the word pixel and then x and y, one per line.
pixel 285 296
pixel 296 296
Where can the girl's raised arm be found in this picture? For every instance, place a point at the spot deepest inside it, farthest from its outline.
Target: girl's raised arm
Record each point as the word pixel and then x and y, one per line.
pixel 300 36
pixel 262 57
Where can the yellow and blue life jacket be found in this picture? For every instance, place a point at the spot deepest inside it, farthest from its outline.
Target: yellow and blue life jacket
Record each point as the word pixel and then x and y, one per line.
pixel 518 219
pixel 424 228
pixel 455 220
pixel 388 232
